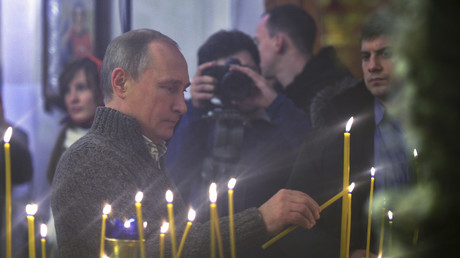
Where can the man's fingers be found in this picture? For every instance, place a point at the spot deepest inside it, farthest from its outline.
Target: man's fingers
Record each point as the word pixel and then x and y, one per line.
pixel 204 66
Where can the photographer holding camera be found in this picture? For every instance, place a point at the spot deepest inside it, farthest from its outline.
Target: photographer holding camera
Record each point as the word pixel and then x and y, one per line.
pixel 237 125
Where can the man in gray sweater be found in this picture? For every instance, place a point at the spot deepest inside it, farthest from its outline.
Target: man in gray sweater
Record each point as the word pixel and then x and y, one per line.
pixel 144 76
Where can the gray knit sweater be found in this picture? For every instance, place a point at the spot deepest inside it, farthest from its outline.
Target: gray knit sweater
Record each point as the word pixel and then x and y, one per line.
pixel 110 165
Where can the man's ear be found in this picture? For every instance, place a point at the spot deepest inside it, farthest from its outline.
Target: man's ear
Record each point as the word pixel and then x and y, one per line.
pixel 280 42
pixel 119 82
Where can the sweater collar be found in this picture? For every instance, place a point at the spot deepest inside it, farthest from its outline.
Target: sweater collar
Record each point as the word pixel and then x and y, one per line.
pixel 120 127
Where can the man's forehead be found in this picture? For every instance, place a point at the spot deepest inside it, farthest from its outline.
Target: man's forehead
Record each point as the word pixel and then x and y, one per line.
pixel 375 44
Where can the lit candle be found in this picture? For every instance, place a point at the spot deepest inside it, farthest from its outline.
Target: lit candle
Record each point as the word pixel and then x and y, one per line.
pixel 291 228
pixel 350 190
pixel 172 230
pixel 382 232
pixel 216 219
pixel 6 139
pixel 138 199
pixel 231 185
pixel 43 233
pixel 346 177
pixel 105 211
pixel 417 172
pixel 164 228
pixel 390 225
pixel 369 216
pixel 212 206
pixel 191 217
pixel 31 209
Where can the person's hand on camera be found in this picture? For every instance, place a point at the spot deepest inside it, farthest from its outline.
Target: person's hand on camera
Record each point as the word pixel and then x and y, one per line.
pixel 289 207
pixel 266 94
pixel 202 86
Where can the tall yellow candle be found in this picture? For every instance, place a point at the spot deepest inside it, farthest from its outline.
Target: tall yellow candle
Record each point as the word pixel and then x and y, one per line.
pixel 231 185
pixel 212 206
pixel 417 171
pixel 191 217
pixel 31 209
pixel 172 230
pixel 216 223
pixel 346 177
pixel 6 139
pixel 291 228
pixel 138 199
pixel 43 233
pixel 105 212
pixel 382 233
pixel 390 225
pixel 218 234
pixel 369 216
pixel 350 190
pixel 164 228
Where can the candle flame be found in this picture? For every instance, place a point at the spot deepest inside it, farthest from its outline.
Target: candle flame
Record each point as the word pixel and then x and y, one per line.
pixel 169 196
pixel 390 215
pixel 8 134
pixel 139 197
pixel 43 230
pixel 372 172
pixel 105 256
pixel 351 187
pixel 31 209
pixel 164 228
pixel 349 123
pixel 145 224
pixel 107 209
pixel 127 223
pixel 415 153
pixel 231 183
pixel 191 215
pixel 213 192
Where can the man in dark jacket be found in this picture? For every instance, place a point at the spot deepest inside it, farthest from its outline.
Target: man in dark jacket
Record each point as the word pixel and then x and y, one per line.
pixel 285 37
pixel 377 140
pixel 258 148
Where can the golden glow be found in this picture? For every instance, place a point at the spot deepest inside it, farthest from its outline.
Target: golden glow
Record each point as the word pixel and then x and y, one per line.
pixel 43 230
pixel 213 192
pixel 231 183
pixel 164 228
pixel 139 197
pixel 8 134
pixel 31 209
pixel 169 196
pixel 191 215
pixel 349 123
pixel 351 187
pixel 107 209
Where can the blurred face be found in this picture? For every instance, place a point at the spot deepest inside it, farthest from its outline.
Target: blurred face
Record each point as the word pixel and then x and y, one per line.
pixel 244 57
pixel 79 99
pixel 156 98
pixel 267 49
pixel 377 65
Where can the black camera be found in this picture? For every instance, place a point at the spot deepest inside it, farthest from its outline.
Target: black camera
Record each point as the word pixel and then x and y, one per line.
pixel 231 85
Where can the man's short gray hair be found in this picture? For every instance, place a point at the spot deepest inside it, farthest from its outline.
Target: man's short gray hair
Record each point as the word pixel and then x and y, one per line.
pixel 130 52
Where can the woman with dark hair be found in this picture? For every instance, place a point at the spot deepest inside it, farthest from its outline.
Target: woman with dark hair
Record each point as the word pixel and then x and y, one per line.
pixel 80 93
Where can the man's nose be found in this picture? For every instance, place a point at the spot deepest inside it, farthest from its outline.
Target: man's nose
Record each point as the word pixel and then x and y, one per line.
pixel 374 64
pixel 180 106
